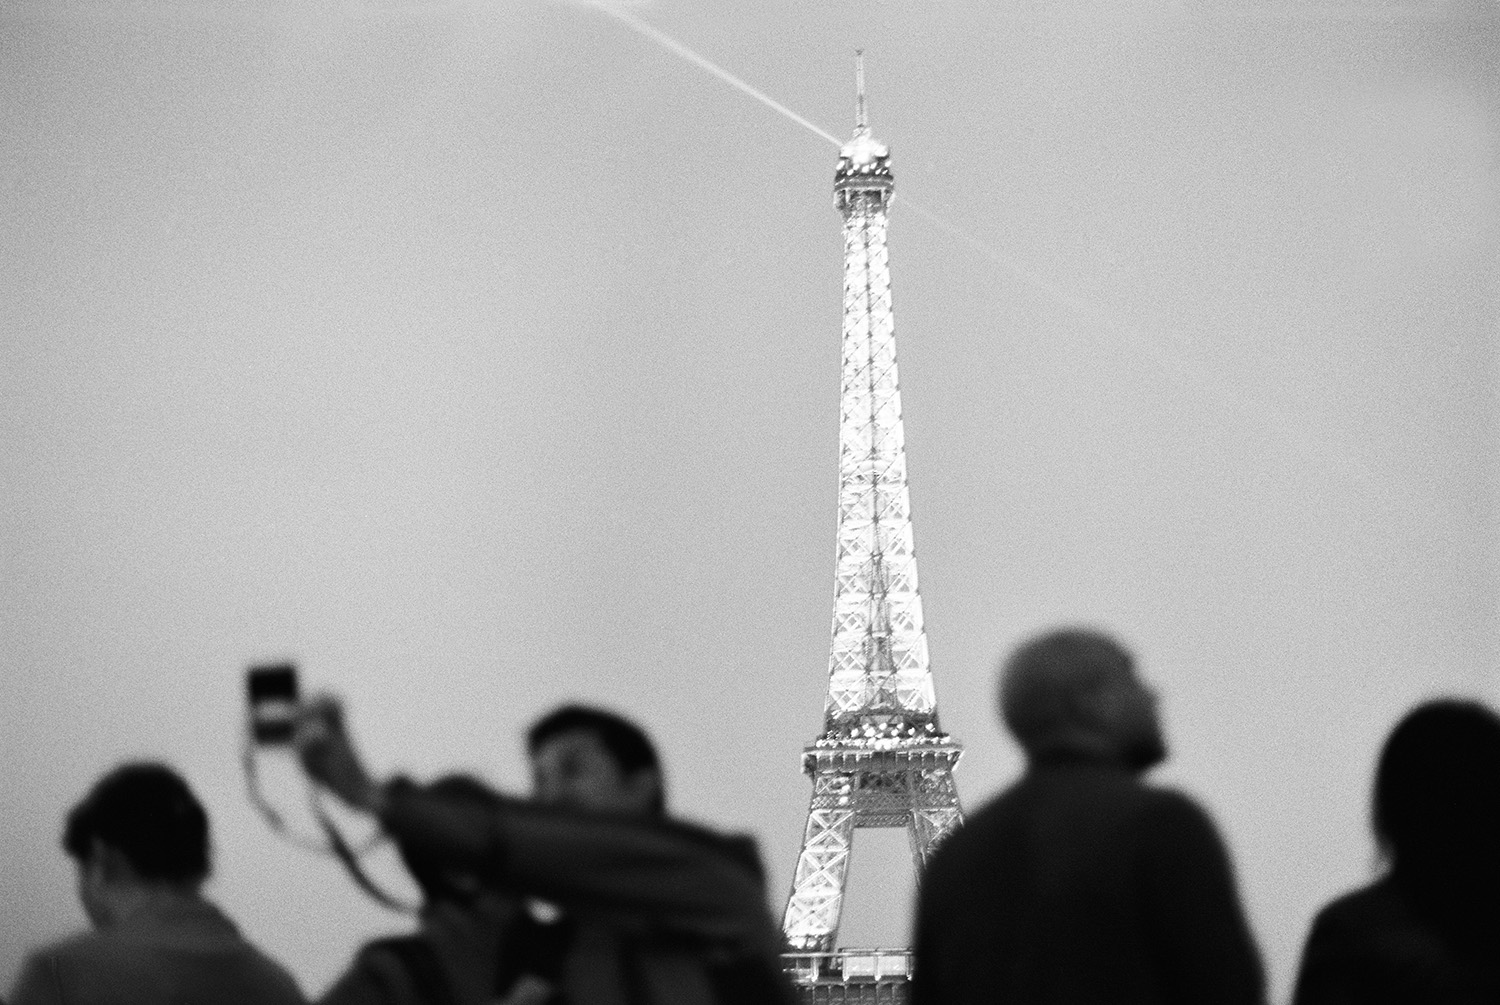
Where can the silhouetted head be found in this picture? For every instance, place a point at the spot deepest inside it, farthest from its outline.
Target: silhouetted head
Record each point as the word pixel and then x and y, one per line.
pixel 590 759
pixel 1074 691
pixel 437 880
pixel 139 827
pixel 1436 808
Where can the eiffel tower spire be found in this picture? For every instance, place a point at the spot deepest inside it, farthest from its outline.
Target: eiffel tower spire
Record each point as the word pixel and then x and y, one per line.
pixel 881 759
pixel 861 125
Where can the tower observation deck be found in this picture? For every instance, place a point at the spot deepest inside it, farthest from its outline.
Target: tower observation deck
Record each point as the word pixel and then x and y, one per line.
pixel 882 760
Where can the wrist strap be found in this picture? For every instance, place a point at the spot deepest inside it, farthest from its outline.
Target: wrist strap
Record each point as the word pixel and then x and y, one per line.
pixel 339 845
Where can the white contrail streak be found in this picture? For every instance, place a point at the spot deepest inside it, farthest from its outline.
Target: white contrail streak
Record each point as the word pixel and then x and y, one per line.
pixel 1176 365
pixel 1437 10
pixel 640 27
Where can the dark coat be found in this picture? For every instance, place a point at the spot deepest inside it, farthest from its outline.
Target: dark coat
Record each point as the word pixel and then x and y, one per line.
pixel 662 913
pixel 1371 948
pixel 452 959
pixel 185 951
pixel 1081 885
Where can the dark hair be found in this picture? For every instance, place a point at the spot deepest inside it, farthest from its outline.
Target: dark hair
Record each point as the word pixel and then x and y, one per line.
pixel 1043 680
pixel 432 872
pixel 626 742
pixel 147 813
pixel 1437 786
pixel 1436 813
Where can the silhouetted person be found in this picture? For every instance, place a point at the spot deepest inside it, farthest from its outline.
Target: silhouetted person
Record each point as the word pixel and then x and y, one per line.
pixel 1080 884
pixel 652 911
pixel 593 761
pixel 475 945
pixel 1428 931
pixel 140 839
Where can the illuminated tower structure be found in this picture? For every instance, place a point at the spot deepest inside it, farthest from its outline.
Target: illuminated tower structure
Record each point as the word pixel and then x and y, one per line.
pixel 881 760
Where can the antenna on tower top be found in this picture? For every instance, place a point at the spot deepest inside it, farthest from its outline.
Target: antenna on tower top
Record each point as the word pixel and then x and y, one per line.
pixel 861 127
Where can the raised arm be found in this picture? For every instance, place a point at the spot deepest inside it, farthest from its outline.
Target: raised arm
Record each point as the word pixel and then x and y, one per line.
pixel 646 872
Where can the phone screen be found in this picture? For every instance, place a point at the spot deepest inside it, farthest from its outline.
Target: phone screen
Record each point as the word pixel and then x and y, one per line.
pixel 272 690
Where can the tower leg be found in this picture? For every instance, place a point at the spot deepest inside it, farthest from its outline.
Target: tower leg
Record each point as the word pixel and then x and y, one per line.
pixel 812 912
pixel 935 815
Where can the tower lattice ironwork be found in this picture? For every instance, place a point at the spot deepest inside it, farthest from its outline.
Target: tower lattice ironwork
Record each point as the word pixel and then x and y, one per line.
pixel 881 760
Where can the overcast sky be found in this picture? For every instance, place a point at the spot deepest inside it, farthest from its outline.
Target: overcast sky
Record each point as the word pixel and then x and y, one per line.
pixel 480 356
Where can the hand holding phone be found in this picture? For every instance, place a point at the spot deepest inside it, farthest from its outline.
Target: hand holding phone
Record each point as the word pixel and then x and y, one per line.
pixel 278 717
pixel 328 755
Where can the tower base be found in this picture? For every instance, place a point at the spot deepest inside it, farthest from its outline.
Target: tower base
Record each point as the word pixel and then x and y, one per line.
pixel 850 976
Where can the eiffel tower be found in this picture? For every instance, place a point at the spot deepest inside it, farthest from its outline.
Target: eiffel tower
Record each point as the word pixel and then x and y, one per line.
pixel 881 760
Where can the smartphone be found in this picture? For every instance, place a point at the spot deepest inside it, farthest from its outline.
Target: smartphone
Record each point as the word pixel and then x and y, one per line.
pixel 272 691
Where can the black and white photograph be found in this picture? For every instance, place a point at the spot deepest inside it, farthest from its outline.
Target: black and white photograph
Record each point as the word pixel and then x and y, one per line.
pixel 465 467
